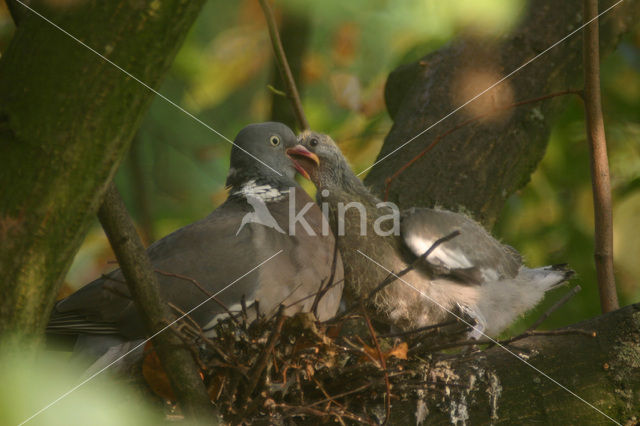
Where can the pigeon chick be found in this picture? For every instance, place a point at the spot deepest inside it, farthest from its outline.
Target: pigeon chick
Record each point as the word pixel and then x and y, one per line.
pixel 473 274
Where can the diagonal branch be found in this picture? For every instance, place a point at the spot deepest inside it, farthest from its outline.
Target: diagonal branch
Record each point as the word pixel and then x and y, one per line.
pixel 283 65
pixel 136 267
pixel 15 10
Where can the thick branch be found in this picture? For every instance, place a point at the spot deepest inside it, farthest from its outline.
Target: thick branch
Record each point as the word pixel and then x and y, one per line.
pixel 177 359
pixel 15 10
pixel 140 191
pixel 498 388
pixel 600 180
pixel 478 167
pixel 66 118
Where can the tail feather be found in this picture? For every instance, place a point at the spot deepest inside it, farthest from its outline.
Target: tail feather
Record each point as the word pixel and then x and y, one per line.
pixel 551 277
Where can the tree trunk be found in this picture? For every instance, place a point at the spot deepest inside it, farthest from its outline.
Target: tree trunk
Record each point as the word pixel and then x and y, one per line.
pixel 475 169
pixel 66 118
pixel 456 173
pixel 498 388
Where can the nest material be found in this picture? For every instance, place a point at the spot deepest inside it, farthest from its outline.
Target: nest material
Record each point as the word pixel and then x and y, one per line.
pixel 289 370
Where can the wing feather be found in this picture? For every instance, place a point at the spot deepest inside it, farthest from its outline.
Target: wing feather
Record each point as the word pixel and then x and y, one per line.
pixel 473 253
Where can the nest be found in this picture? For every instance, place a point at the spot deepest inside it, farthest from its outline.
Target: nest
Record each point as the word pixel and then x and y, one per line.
pixel 289 370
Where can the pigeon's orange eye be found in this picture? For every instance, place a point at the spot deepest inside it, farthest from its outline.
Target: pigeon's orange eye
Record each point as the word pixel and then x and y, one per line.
pixel 274 140
pixel 313 142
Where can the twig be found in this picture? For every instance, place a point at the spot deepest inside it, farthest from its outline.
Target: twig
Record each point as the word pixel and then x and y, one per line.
pixel 201 288
pixel 309 296
pixel 199 333
pixel 599 162
pixel 555 307
pixel 326 394
pixel 197 330
pixel 256 307
pixel 524 335
pixel 331 400
pixel 564 332
pixel 283 65
pixel 261 363
pixel 243 309
pixel 363 352
pixel 312 411
pixel 324 288
pixel 387 182
pixel 394 276
pixel 138 272
pixel 434 327
pixel 276 91
pixel 343 394
pixel 383 365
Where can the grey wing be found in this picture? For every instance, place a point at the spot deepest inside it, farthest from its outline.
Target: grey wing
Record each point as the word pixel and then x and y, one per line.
pixel 474 254
pixel 207 258
pixel 207 252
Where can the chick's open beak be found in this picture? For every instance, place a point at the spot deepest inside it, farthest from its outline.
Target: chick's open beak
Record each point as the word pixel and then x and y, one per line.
pixel 302 154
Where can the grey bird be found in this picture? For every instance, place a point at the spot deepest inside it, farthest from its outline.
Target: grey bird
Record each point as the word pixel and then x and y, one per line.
pixel 219 251
pixel 472 275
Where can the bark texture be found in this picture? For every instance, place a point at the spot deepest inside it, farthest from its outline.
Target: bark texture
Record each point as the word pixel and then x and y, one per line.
pixel 66 119
pixel 497 388
pixel 136 267
pixel 455 174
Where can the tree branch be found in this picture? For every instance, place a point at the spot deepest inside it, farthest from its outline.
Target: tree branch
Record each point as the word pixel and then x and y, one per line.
pixel 15 10
pixel 600 180
pixel 494 386
pixel 295 32
pixel 487 161
pixel 283 65
pixel 176 358
pixel 48 113
pixel 140 190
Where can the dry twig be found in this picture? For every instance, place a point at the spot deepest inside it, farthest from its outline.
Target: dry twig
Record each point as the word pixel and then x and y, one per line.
pixel 283 65
pixel 555 307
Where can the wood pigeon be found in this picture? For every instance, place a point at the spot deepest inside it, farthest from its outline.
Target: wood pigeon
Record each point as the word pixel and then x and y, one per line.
pixel 472 274
pixel 252 225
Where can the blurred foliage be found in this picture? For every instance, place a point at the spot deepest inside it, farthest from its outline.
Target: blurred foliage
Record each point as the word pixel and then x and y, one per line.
pixel 28 387
pixel 551 219
pixel 221 75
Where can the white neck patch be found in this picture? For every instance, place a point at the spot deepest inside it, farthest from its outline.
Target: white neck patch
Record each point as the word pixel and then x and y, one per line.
pixel 266 193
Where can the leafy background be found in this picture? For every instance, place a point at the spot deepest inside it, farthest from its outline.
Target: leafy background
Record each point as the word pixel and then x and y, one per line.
pixel 176 170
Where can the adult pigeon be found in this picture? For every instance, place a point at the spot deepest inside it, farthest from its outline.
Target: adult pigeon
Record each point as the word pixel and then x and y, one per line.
pixel 472 274
pixel 222 253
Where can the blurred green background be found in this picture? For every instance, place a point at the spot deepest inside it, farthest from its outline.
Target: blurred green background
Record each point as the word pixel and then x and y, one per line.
pixel 176 170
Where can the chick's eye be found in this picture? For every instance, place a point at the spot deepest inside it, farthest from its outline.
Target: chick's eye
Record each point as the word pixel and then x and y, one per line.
pixel 313 142
pixel 274 140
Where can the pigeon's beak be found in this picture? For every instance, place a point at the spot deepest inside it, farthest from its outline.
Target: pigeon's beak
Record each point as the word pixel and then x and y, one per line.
pixel 303 159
